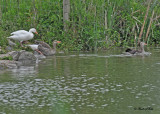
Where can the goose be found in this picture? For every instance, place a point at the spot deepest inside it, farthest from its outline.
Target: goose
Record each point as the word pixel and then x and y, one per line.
pixel 22 35
pixel 141 51
pixel 46 49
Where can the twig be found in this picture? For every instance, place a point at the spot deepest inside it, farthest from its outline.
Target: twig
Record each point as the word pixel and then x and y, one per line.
pixel 136 19
pixel 157 24
pixel 156 17
pixel 135 12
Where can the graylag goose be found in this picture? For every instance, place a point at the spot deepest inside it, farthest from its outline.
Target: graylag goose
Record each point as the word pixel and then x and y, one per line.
pixel 45 49
pixel 141 51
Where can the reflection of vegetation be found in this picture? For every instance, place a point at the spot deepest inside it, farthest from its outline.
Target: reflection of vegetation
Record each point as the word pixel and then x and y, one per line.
pixel 90 21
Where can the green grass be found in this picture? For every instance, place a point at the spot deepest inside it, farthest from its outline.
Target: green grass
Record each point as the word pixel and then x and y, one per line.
pixel 6 58
pixel 87 24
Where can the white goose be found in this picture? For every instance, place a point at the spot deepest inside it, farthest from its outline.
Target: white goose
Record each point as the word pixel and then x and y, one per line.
pixel 22 35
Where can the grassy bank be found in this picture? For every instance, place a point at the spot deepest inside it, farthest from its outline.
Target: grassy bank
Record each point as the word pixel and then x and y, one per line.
pixel 93 23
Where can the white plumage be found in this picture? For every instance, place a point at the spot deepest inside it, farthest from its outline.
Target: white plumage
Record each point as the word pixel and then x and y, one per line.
pixel 33 46
pixel 22 35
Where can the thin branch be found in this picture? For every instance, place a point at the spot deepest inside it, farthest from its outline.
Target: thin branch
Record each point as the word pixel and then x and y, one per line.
pixel 136 19
pixel 156 17
pixel 157 24
pixel 135 12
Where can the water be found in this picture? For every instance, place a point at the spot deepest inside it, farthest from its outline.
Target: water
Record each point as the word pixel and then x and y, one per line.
pixel 84 83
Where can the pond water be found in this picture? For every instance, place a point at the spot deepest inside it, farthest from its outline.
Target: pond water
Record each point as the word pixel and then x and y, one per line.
pixel 84 83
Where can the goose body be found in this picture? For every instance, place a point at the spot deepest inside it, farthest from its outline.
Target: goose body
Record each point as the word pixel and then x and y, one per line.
pixel 46 49
pixel 138 52
pixel 44 44
pixel 131 51
pixel 22 35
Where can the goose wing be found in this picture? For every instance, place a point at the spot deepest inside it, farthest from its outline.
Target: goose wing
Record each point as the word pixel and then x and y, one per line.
pixel 131 51
pixel 44 44
pixel 19 32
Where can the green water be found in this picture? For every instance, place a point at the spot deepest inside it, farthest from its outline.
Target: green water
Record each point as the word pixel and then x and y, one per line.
pixel 84 83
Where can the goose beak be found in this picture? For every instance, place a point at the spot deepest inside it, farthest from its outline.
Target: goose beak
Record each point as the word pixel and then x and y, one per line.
pixel 58 41
pixel 145 44
pixel 36 32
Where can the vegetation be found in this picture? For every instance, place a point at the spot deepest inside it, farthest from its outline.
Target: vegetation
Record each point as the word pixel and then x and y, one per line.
pixel 93 23
pixel 6 58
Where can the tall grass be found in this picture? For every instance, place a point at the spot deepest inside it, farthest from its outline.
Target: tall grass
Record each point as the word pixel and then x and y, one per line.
pixel 91 21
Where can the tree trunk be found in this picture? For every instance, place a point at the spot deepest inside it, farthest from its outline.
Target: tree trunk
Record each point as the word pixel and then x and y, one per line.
pixel 66 11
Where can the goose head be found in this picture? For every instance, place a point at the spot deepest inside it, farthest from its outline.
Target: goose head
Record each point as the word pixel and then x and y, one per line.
pixel 54 43
pixel 143 44
pixel 33 30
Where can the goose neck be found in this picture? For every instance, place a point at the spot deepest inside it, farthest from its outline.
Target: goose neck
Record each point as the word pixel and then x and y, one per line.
pixel 142 48
pixel 54 46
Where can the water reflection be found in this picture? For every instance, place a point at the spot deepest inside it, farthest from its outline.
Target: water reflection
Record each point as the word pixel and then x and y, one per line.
pixel 82 83
pixel 24 71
